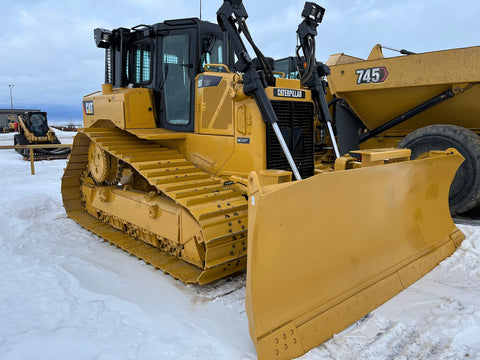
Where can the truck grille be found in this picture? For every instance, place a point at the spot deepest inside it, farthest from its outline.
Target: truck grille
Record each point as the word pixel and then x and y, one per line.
pixel 296 123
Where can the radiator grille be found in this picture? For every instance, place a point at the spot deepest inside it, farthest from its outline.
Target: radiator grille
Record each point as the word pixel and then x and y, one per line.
pixel 296 122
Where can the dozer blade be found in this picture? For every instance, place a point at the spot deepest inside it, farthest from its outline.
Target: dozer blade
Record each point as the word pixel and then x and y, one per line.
pixel 325 251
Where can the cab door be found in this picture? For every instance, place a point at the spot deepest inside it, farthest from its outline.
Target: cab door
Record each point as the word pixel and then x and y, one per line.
pixel 178 72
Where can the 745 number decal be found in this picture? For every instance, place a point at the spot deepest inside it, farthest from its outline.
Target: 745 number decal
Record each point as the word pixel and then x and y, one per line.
pixel 371 75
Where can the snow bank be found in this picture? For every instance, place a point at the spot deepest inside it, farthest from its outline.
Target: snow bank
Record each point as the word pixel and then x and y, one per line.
pixel 65 294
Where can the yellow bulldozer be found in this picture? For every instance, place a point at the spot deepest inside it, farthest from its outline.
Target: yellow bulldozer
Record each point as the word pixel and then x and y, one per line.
pixel 186 161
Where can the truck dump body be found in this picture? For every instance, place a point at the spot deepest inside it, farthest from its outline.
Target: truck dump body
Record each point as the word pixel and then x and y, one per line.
pixel 423 102
pixel 380 89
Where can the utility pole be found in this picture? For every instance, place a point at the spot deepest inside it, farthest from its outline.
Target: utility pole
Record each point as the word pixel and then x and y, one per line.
pixel 11 98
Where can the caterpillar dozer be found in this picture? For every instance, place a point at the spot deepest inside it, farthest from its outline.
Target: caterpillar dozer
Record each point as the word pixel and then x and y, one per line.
pixel 33 129
pixel 186 161
pixel 425 101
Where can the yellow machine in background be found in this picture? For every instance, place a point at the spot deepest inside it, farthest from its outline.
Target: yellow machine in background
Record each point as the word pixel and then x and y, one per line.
pixel 33 129
pixel 186 162
pixel 8 124
pixel 423 102
pixel 11 123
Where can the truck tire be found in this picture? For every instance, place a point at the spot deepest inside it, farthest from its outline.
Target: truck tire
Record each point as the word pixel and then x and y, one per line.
pixel 465 189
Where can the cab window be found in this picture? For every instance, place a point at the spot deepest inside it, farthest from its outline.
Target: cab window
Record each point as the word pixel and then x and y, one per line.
pixel 141 62
pixel 176 64
pixel 212 48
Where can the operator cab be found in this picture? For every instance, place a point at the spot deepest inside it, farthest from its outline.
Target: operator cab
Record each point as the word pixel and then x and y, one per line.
pixel 288 67
pixel 37 123
pixel 165 57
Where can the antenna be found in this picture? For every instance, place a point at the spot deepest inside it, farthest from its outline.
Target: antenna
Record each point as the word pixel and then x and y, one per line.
pixel 200 9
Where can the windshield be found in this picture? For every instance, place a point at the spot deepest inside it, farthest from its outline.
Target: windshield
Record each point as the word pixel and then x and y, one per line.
pixel 38 124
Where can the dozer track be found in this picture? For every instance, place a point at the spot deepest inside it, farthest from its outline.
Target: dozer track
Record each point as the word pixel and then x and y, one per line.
pixel 187 222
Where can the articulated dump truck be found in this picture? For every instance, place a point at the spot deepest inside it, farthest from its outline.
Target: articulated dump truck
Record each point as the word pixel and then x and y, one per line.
pixel 186 161
pixel 422 102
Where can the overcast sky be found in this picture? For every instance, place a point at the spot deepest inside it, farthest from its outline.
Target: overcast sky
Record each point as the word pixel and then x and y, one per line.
pixel 48 52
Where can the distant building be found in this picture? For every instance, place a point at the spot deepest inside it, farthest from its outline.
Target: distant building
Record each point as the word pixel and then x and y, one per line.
pixel 5 112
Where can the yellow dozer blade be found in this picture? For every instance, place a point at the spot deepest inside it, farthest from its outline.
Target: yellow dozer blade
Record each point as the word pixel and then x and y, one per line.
pixel 325 251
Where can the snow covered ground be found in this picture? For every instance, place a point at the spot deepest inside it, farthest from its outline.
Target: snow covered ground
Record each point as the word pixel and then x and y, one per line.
pixel 65 294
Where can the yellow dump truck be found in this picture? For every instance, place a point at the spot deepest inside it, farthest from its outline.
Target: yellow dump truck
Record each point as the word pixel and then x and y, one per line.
pixel 423 102
pixel 186 161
